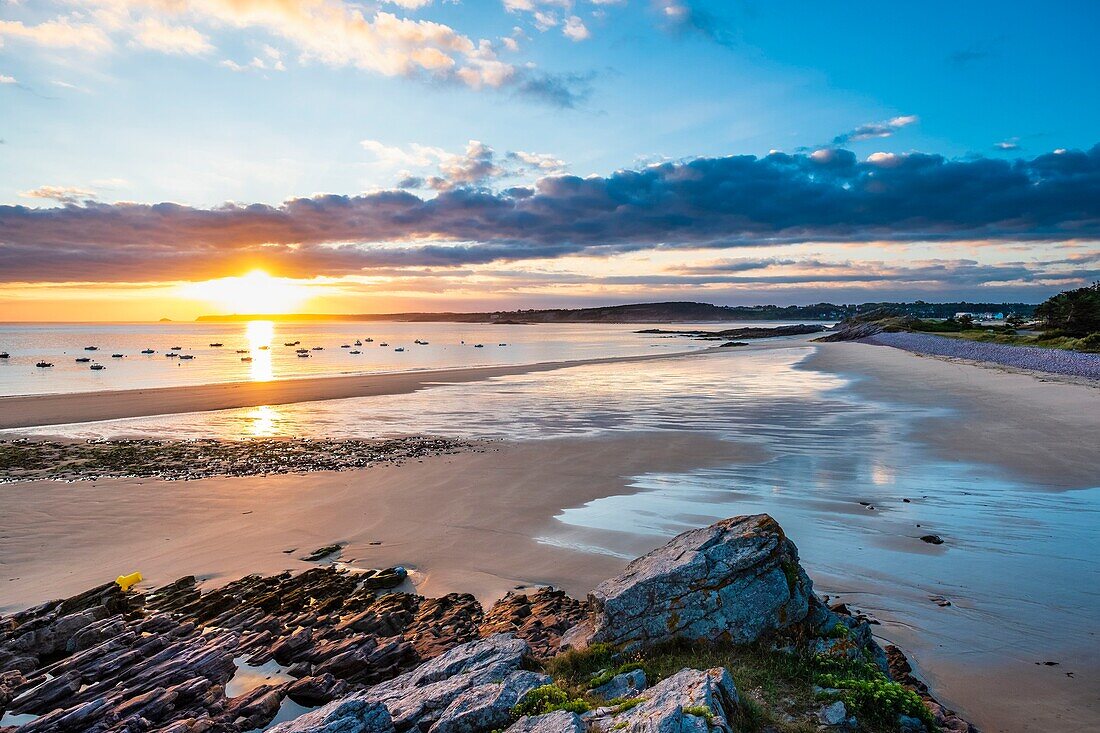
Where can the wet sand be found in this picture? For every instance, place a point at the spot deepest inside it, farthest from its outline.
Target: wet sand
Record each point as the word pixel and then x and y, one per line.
pixel 22 411
pixel 1044 430
pixel 463 522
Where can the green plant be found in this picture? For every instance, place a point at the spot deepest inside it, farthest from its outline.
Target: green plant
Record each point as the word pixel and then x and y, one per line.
pixel 622 704
pixel 869 694
pixel 547 699
pixel 700 711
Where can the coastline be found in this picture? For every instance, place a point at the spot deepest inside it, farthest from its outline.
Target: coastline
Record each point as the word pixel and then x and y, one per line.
pixel 471 522
pixel 23 411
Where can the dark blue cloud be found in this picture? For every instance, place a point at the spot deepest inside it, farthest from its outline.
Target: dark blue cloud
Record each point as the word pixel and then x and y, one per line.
pixel 707 202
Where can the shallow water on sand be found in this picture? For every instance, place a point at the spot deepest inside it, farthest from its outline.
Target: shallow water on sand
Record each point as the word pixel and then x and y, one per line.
pixel 1017 566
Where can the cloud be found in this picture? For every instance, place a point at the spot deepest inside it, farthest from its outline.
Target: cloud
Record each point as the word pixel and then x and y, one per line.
pixel 575 29
pixel 64 194
pixel 270 60
pixel 61 33
pixel 173 39
pixel 5 79
pixel 1012 143
pixel 476 166
pixel 727 202
pixel 336 33
pixel 874 130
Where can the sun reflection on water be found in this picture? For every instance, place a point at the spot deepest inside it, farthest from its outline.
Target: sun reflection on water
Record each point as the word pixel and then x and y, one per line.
pixel 263 422
pixel 259 334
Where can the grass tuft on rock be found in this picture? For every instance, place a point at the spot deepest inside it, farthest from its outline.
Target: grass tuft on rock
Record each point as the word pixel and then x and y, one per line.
pixel 547 699
pixel 780 690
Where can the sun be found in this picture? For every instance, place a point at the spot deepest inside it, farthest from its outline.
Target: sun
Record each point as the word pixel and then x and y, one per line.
pixel 256 292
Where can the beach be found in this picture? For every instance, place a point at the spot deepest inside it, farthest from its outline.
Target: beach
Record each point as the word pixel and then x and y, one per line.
pixel 569 508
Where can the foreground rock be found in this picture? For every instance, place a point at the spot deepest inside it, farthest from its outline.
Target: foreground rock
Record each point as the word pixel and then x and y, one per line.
pixel 472 687
pixel 733 581
pixel 690 700
pixel 107 661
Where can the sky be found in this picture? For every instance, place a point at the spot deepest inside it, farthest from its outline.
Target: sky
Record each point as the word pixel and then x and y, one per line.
pixel 169 158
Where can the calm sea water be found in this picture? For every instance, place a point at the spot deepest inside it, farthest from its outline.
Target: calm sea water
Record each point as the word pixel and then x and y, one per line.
pixel 449 345
pixel 1018 566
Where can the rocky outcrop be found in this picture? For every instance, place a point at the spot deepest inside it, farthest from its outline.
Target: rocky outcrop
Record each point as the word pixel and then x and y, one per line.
pixel 346 716
pixel 559 721
pixel 108 661
pixel 690 700
pixel 473 687
pixel 539 618
pixel 735 580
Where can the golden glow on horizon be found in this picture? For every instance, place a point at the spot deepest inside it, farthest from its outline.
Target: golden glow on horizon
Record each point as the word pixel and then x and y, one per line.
pixel 256 292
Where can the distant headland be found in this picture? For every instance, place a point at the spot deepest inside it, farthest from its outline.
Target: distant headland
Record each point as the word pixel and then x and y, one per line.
pixel 660 312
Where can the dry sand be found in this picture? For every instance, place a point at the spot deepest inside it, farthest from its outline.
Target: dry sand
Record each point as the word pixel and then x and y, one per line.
pixel 22 411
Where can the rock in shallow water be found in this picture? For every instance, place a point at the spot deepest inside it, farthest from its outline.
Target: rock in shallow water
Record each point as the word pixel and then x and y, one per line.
pixel 734 580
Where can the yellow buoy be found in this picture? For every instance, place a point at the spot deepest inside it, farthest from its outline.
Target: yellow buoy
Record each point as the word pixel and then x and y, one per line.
pixel 126 582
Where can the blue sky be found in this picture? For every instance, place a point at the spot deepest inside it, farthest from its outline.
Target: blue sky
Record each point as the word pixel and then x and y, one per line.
pixel 202 102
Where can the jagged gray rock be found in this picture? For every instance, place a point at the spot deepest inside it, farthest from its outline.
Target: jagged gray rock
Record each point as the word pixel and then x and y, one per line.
pixel 343 716
pixel 559 721
pixel 469 688
pixel 679 704
pixel 734 580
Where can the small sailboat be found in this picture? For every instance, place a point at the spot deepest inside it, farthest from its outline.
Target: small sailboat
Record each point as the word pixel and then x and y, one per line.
pixel 4 355
pixel 242 351
pixel 171 355
pixel 400 348
pixel 83 359
pixel 383 344
pixel 345 346
pixel 217 344
pixel 246 358
pixel 318 348
pixel 304 355
pixel 117 356
pixel 502 344
pixel 176 348
pixel 97 367
pixel 148 351
pixel 265 347
pixel 91 348
pixel 355 351
pixel 369 340
pixel 358 342
pixel 43 364
pixel 479 346
pixel 301 351
pixel 187 356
